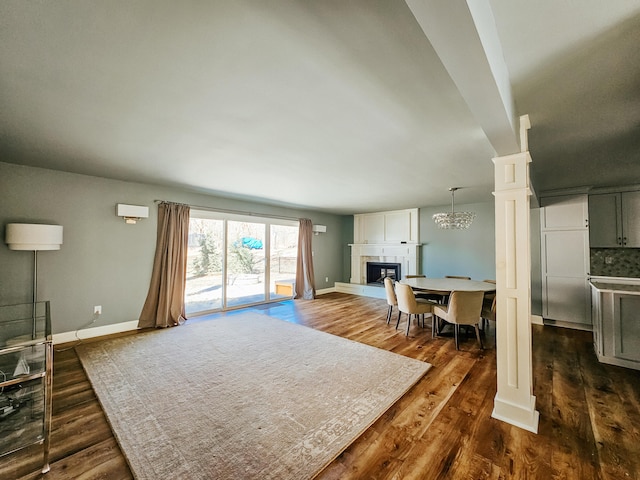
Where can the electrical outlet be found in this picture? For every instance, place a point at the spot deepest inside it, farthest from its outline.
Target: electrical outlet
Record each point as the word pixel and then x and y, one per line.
pixel 326 279
pixel 97 310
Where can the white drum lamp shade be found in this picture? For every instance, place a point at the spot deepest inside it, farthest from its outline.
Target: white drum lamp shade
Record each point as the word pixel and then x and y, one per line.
pixel 33 237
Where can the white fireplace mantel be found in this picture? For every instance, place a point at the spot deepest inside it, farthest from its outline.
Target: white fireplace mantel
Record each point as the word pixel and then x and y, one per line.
pixel 406 254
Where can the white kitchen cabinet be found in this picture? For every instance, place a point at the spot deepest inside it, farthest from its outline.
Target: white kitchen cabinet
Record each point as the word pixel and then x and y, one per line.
pixel 631 219
pixel 564 212
pixel 616 314
pixel 626 327
pixel 564 246
pixel 614 220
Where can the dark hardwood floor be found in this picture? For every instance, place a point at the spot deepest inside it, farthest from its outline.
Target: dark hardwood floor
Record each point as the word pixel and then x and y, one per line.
pixel 441 429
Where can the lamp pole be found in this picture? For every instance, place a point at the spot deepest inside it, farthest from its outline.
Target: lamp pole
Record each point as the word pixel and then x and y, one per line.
pixel 35 293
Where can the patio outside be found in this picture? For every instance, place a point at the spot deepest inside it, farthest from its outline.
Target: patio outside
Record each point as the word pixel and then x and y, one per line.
pixel 246 264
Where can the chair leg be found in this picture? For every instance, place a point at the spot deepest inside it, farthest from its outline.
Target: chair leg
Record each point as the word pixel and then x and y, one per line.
pixel 456 331
pixel 398 322
pixel 485 324
pixel 389 314
pixel 408 323
pixel 478 337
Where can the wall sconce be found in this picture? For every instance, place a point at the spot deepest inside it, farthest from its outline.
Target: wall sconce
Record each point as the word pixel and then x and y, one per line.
pixel 131 213
pixel 316 229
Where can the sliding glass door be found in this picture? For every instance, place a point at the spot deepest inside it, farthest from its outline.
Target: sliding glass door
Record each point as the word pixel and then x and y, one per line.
pixel 245 263
pixel 204 265
pixel 283 242
pixel 235 261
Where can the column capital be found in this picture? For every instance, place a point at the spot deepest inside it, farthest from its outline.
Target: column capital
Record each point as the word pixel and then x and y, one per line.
pixel 512 172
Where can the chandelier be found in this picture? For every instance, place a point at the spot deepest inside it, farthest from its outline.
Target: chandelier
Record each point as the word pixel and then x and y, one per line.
pixel 453 219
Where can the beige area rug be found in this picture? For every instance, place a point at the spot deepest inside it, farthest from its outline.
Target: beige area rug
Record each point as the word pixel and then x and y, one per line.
pixel 245 396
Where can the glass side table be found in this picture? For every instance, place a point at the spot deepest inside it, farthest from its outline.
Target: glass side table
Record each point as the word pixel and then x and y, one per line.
pixel 26 378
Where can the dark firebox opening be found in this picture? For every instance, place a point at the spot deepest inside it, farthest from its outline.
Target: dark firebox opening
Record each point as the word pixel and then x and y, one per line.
pixel 377 271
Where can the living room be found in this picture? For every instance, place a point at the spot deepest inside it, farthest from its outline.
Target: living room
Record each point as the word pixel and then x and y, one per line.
pixel 316 111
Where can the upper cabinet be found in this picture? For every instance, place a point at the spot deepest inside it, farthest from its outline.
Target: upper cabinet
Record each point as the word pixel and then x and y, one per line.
pixel 566 212
pixel 615 220
pixel 398 226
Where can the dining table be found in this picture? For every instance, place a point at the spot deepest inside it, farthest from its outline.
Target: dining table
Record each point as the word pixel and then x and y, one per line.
pixel 444 286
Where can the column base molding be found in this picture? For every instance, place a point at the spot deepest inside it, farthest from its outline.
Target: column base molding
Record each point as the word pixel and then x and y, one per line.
pixel 522 416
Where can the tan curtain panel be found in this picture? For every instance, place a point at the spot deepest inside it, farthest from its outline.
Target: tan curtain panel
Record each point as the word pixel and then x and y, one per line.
pixel 305 283
pixel 164 306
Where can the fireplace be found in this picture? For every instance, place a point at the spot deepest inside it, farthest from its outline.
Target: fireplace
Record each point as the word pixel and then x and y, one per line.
pixel 377 271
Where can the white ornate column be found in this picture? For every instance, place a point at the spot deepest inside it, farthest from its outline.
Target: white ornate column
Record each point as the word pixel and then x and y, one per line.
pixel 514 402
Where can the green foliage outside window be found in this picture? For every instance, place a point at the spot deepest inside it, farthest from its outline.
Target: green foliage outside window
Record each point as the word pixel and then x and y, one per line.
pixel 242 259
pixel 209 260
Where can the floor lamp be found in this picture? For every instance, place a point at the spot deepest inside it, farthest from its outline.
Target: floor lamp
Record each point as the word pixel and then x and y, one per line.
pixel 33 237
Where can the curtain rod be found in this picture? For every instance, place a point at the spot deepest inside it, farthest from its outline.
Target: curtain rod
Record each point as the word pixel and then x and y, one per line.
pixel 234 212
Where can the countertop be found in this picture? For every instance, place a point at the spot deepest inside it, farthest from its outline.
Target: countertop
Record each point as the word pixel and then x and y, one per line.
pixel 614 286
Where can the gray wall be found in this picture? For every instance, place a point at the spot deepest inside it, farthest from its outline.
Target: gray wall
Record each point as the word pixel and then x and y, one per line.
pixel 472 252
pixel 459 252
pixel 347 238
pixel 103 261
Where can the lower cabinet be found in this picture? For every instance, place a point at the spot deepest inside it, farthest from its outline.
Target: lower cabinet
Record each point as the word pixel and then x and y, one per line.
pixel 626 327
pixel 616 324
pixel 565 278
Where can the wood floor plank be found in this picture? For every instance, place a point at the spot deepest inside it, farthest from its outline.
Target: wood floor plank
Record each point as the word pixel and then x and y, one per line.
pixel 414 422
pixel 441 429
pixel 574 445
pixel 615 432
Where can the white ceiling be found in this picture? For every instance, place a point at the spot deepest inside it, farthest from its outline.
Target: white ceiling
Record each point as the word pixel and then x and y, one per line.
pixel 342 106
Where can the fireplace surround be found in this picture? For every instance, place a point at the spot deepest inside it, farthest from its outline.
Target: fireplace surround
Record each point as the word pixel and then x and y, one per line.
pixel 405 254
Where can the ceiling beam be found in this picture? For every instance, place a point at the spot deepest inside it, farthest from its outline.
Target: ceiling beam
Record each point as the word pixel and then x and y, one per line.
pixel 463 34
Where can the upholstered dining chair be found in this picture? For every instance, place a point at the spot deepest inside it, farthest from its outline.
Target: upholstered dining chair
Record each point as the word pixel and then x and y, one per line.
pixel 488 306
pixel 488 312
pixel 392 300
pixel 464 308
pixel 407 303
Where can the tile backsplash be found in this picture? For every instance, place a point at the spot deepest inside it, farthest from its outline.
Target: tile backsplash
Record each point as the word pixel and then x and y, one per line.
pixel 615 262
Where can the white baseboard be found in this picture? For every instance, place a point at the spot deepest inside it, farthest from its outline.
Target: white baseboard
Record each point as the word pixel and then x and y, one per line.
pixel 324 291
pixel 571 325
pixel 94 332
pixel 85 333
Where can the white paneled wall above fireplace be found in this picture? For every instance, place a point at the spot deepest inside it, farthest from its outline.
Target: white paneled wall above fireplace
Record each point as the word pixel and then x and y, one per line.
pixel 394 227
pixel 391 237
